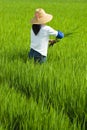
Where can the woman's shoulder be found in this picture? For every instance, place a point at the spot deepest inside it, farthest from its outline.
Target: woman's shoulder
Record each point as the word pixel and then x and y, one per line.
pixel 46 27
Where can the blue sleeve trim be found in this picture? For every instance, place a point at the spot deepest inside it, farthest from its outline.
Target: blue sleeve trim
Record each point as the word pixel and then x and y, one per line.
pixel 60 35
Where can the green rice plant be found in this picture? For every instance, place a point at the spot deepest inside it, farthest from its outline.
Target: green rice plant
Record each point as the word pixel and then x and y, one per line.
pixel 51 96
pixel 19 113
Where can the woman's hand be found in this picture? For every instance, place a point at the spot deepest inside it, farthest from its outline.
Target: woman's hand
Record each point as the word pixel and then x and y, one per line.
pixel 52 42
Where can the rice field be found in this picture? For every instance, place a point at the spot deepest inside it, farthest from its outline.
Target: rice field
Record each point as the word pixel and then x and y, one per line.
pixel 51 96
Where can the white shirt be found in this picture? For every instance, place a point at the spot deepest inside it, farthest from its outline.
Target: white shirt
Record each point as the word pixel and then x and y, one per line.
pixel 40 41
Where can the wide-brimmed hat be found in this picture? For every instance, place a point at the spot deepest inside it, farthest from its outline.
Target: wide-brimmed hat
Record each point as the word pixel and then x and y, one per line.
pixel 41 17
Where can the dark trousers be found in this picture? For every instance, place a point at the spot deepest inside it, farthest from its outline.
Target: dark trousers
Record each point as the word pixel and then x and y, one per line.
pixel 36 56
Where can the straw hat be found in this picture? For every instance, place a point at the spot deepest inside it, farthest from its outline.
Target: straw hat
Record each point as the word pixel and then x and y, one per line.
pixel 41 17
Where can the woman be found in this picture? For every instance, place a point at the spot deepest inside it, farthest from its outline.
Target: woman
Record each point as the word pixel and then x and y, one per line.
pixel 40 33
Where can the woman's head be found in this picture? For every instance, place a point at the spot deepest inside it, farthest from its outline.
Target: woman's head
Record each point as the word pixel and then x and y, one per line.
pixel 41 17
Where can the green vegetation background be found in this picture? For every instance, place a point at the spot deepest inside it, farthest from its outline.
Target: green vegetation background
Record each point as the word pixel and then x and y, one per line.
pixel 52 96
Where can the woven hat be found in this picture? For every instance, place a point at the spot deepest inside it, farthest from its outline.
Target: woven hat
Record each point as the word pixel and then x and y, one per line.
pixel 41 17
